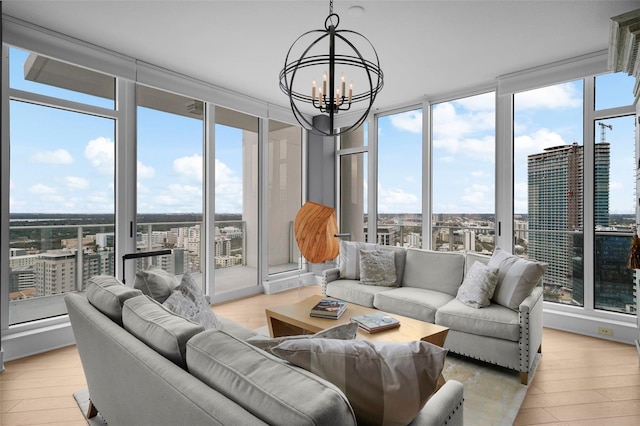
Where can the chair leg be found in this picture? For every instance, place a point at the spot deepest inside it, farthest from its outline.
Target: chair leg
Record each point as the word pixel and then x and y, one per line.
pixel 92 411
pixel 524 377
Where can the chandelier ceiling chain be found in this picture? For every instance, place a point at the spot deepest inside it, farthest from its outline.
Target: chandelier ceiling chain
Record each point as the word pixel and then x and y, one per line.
pixel 330 97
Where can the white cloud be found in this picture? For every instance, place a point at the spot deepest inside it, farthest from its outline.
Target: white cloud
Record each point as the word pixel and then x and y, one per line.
pixel 100 153
pixel 59 156
pixel 521 198
pixel 180 198
pixel 228 189
pixel 41 189
pixel 75 182
pixel 614 185
pixel 145 172
pixel 447 159
pixel 410 121
pixel 395 200
pixel 190 167
pixel 535 143
pixel 480 174
pixel 551 97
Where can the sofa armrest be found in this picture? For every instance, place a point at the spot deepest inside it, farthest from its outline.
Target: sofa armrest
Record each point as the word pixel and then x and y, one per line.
pixel 329 275
pixel 444 408
pixel 530 313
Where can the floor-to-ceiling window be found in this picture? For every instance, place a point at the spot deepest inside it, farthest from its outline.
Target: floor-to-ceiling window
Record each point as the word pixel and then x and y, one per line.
pixel 62 133
pixel 548 168
pixel 284 195
pixel 463 174
pixel 169 169
pixel 236 200
pixel 399 186
pixel 614 192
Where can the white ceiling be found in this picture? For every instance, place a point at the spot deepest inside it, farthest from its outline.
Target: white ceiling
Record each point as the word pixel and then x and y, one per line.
pixel 426 48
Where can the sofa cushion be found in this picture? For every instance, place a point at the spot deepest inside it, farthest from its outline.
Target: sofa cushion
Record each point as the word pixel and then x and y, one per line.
pixel 492 321
pixel 386 383
pixel 353 291
pixel 155 283
pixel 188 301
pixel 346 331
pixel 516 278
pixel 159 328
pixel 433 270
pixel 378 267
pixel 233 328
pixel 478 286
pixel 411 302
pixel 266 386
pixel 350 258
pixel 107 295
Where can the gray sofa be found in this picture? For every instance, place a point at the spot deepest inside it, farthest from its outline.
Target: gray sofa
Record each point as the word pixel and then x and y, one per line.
pixel 427 290
pixel 182 375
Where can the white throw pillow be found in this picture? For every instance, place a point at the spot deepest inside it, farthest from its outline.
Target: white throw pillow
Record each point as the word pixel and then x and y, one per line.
pixel 478 286
pixel 378 268
pixel 350 258
pixel 385 382
pixel 187 300
pixel 516 278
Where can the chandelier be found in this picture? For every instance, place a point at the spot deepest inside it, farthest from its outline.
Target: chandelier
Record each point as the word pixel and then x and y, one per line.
pixel 331 96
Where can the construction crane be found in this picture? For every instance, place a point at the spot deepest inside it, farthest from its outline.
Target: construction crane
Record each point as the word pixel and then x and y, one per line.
pixel 603 138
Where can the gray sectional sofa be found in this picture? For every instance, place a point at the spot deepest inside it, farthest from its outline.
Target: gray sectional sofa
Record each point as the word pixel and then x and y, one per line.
pixel 507 332
pixel 146 365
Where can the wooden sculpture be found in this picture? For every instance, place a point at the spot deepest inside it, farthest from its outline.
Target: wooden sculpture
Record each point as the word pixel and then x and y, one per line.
pixel 315 228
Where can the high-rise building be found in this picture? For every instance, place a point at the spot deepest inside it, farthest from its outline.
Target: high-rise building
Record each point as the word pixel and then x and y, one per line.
pixel 556 212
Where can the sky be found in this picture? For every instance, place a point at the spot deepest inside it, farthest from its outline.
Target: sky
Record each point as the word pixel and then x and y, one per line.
pixel 63 162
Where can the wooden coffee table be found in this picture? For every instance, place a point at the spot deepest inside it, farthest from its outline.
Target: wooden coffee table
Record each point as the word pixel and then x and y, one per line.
pixel 294 319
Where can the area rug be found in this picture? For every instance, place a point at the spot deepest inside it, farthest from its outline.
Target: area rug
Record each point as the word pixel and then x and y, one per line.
pixel 492 395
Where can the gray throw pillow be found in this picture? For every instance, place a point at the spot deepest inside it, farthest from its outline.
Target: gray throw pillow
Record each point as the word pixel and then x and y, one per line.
pixel 187 300
pixel 155 283
pixel 478 286
pixel 385 382
pixel 378 268
pixel 346 331
pixel 516 278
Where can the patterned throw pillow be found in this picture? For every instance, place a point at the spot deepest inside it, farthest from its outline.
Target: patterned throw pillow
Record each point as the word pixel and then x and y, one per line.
pixel 478 286
pixel 378 268
pixel 342 332
pixel 385 382
pixel 516 278
pixel 187 300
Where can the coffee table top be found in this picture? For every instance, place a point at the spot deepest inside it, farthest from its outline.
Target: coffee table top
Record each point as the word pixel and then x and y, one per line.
pixel 297 315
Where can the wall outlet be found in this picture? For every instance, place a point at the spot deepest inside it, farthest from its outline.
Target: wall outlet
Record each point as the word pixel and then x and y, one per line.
pixel 605 331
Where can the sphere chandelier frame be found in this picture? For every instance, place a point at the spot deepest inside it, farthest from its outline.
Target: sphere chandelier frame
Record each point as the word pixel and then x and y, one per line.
pixel 330 102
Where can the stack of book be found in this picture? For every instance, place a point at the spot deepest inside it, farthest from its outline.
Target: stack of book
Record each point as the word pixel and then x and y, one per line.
pixel 374 322
pixel 328 308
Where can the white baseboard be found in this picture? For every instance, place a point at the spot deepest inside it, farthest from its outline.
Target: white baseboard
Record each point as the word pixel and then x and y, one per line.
pixel 26 343
pixel 283 284
pixel 624 332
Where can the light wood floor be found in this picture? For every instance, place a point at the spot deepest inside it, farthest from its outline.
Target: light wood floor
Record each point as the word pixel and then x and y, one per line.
pixel 580 380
